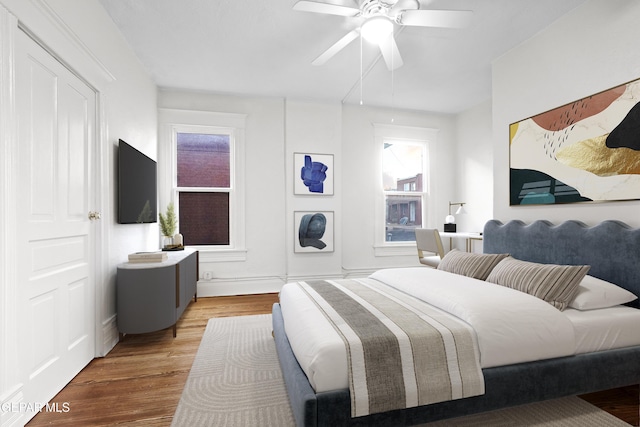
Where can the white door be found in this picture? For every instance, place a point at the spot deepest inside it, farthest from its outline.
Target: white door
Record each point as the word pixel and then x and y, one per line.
pixel 56 131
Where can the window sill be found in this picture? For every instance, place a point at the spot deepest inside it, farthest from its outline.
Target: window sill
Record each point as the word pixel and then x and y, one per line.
pixel 209 254
pixel 395 250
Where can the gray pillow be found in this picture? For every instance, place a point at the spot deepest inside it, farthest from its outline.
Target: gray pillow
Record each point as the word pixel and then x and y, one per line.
pixel 556 284
pixel 470 264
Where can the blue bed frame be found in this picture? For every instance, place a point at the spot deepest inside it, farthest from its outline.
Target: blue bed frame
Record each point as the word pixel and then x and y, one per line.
pixel 611 248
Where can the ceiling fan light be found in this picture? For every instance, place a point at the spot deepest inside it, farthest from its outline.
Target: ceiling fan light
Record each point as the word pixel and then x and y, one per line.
pixel 376 29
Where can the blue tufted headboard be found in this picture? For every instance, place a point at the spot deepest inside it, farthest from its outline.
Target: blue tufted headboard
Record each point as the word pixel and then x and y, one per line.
pixel 611 248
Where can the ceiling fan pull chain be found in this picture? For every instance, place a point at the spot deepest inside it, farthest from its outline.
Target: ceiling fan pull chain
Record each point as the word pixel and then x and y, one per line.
pixel 361 78
pixel 393 89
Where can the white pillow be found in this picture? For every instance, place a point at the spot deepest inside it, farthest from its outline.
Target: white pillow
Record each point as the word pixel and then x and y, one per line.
pixel 596 293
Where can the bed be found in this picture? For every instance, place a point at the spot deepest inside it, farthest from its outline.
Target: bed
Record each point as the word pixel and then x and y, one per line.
pixel 610 249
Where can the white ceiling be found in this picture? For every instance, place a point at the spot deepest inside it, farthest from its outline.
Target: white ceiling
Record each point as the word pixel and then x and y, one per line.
pixel 263 47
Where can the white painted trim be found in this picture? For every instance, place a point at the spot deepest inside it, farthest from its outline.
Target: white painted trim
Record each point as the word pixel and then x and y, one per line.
pixel 226 255
pixel 358 272
pixel 171 121
pixel 10 380
pixel 61 41
pixel 11 415
pixel 257 285
pixel 109 334
pixel 428 138
pixel 201 118
pixel 389 250
pixel 299 278
pixel 103 188
pixel 225 287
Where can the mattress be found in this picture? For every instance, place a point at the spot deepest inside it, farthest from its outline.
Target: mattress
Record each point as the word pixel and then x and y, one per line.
pixel 511 326
pixel 605 328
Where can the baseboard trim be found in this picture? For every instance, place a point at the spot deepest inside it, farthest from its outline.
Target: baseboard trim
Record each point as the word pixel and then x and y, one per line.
pixel 358 273
pixel 224 287
pixel 265 285
pixel 110 335
pixel 13 413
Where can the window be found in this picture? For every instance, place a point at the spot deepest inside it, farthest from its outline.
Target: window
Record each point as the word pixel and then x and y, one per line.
pixel 405 187
pixel 204 172
pixel 403 172
pixel 202 167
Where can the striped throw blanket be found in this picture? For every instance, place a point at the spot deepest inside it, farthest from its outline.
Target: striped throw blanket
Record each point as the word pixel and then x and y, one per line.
pixel 402 352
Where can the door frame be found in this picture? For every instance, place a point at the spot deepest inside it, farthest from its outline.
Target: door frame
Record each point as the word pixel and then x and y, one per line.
pixel 63 45
pixel 99 245
pixel 68 49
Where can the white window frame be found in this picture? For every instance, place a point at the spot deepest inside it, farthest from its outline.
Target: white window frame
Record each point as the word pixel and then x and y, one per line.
pixel 173 122
pixel 414 135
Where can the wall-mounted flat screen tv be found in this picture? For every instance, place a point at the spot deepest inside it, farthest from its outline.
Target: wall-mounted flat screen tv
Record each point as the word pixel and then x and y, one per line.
pixel 137 186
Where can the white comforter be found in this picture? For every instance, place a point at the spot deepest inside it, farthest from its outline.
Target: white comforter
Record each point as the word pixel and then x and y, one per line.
pixel 511 326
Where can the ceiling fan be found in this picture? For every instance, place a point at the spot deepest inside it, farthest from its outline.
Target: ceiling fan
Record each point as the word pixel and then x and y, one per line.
pixel 376 19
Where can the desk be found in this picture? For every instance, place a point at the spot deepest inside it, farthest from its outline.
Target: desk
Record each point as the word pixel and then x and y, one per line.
pixel 469 237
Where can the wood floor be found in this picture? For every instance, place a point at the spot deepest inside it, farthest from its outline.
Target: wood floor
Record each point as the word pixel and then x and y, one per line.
pixel 140 381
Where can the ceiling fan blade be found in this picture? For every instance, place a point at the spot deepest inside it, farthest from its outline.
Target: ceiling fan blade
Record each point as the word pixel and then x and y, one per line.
pixel 331 9
pixel 337 47
pixel 436 18
pixel 404 5
pixel 390 53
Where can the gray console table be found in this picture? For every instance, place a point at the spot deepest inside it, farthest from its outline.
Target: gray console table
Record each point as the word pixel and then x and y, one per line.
pixel 152 296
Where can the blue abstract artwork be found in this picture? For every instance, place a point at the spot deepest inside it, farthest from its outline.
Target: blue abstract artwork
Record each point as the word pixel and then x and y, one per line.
pixel 313 174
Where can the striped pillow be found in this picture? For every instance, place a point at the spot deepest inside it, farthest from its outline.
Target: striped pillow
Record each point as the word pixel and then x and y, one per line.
pixel 556 284
pixel 469 264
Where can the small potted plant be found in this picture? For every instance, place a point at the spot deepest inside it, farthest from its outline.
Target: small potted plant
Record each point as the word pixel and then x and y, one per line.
pixel 168 226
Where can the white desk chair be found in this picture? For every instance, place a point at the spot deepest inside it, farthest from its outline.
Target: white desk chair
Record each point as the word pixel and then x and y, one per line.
pixel 428 240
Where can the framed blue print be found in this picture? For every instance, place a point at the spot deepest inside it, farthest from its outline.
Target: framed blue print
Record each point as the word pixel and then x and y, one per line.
pixel 313 174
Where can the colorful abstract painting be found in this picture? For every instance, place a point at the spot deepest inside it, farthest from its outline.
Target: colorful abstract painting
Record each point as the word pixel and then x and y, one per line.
pixel 588 150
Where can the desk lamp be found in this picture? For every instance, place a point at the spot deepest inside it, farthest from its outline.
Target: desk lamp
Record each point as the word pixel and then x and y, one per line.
pixel 450 220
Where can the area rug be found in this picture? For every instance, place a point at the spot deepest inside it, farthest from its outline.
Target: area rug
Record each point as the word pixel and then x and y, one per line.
pixel 236 381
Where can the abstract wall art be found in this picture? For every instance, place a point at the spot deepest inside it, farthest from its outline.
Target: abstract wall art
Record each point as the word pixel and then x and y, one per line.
pixel 313 174
pixel 313 231
pixel 588 150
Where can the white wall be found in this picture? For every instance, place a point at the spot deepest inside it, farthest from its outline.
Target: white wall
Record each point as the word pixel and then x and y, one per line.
pixel 264 269
pixel 313 127
pixel 474 169
pixel 591 49
pixel 276 129
pixel 361 181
